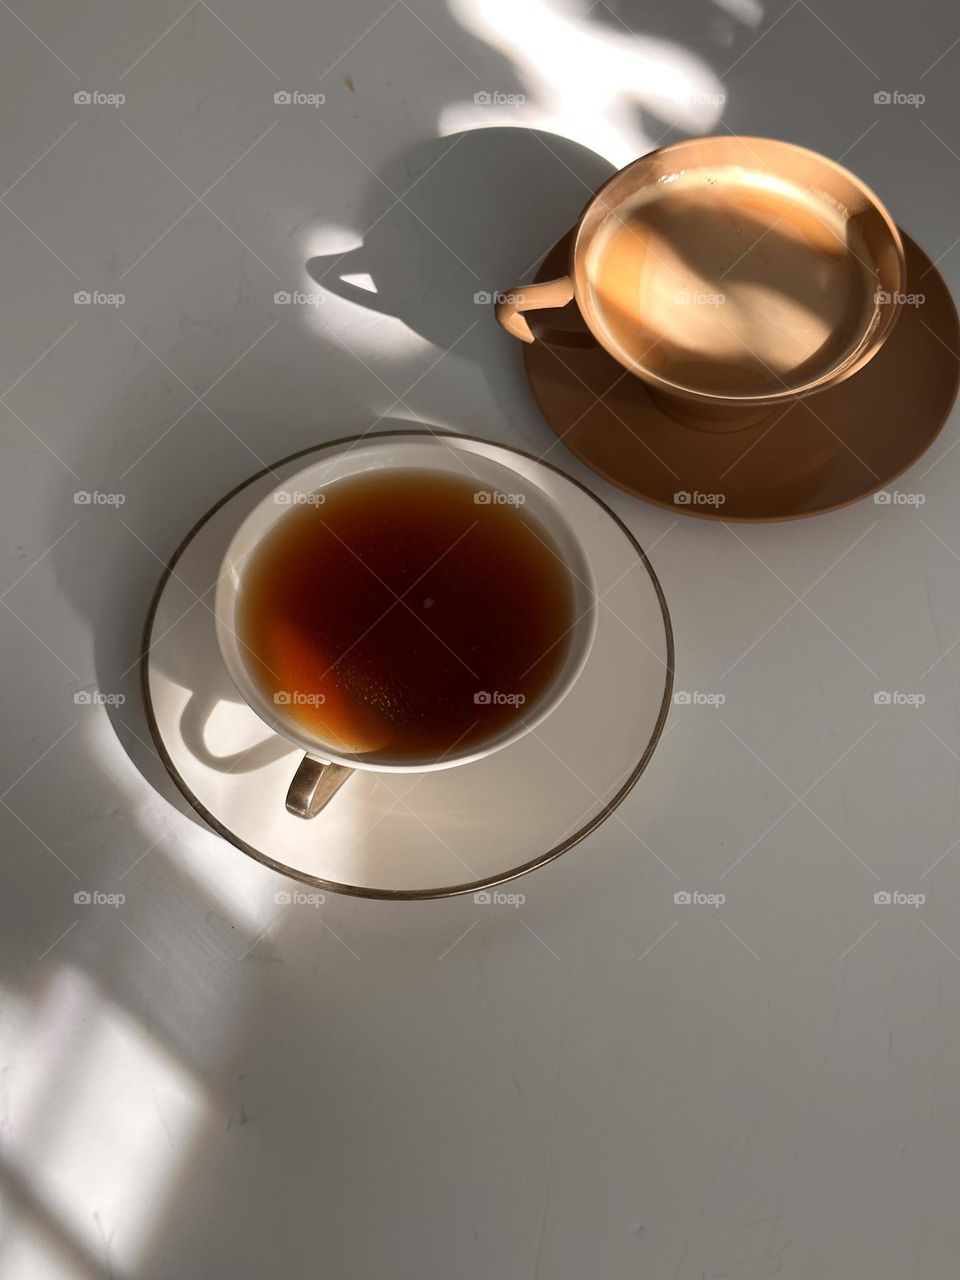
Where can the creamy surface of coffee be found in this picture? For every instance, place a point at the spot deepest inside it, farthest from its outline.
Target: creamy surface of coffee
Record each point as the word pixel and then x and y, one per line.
pixel 730 281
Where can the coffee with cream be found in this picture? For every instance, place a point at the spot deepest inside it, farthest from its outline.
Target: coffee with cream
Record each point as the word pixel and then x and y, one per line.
pixel 733 282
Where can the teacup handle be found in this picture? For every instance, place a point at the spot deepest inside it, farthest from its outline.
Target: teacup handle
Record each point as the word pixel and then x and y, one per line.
pixel 314 785
pixel 534 297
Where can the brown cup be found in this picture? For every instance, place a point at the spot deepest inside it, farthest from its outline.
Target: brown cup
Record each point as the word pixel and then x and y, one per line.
pixel 853 208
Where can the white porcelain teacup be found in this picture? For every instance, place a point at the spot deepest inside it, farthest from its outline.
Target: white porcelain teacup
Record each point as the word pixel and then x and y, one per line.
pixel 324 769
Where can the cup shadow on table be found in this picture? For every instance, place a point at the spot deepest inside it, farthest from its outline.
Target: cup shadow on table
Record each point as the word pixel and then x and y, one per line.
pixel 481 209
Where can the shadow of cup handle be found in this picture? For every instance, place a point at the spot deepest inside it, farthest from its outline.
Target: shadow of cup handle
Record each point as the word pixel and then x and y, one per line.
pixel 194 719
pixel 314 785
pixel 550 294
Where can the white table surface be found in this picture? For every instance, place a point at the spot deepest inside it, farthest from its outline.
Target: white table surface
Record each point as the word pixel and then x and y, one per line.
pixel 200 1083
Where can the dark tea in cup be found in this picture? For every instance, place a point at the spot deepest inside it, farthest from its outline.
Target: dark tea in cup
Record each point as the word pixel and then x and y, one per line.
pixel 405 614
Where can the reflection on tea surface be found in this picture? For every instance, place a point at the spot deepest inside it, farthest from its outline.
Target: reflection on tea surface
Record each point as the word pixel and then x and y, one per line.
pixel 405 614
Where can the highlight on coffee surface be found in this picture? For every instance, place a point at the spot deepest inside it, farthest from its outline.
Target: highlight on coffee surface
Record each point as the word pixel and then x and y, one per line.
pixel 733 282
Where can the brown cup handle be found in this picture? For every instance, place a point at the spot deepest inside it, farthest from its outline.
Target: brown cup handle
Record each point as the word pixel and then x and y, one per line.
pixel 314 785
pixel 531 297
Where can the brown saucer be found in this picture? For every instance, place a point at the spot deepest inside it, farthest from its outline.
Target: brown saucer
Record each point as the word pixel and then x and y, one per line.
pixel 817 454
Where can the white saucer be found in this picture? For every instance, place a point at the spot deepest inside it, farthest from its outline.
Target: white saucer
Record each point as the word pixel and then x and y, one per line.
pixel 424 835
